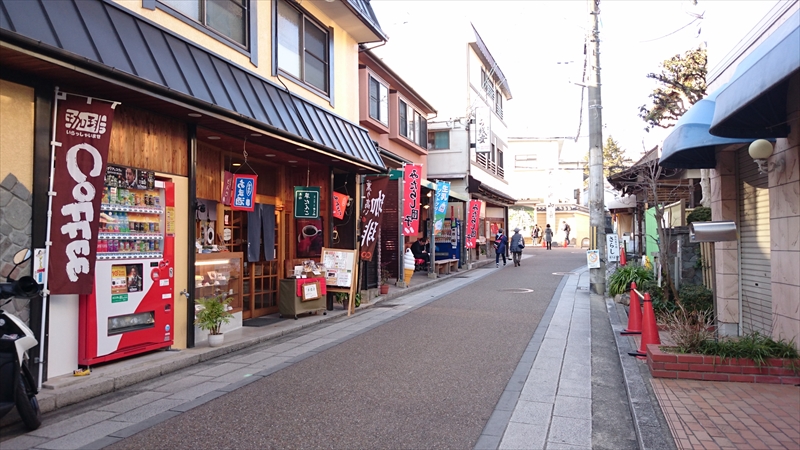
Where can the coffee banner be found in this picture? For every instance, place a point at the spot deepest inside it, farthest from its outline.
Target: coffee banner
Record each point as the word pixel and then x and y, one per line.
pixel 473 215
pixel 82 135
pixel 411 198
pixel 374 196
pixel 440 205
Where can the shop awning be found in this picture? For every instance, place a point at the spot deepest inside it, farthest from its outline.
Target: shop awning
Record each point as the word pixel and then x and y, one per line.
pixel 488 193
pixel 690 145
pixel 100 35
pixel 754 103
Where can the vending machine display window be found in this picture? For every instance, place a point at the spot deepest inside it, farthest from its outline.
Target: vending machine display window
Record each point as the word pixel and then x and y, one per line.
pixel 131 322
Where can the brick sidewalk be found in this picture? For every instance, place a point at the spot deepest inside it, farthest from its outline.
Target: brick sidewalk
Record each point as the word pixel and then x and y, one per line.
pixel 717 415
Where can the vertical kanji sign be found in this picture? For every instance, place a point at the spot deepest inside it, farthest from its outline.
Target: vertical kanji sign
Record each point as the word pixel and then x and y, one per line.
pixel 440 205
pixel 411 198
pixel 243 195
pixel 82 136
pixel 374 195
pixel 472 223
pixel 306 202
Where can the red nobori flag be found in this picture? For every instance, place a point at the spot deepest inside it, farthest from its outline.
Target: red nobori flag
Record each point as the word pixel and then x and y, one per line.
pixel 82 136
pixel 473 215
pixel 374 196
pixel 411 198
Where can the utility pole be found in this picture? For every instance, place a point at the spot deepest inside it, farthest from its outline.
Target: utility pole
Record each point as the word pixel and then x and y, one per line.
pixel 597 277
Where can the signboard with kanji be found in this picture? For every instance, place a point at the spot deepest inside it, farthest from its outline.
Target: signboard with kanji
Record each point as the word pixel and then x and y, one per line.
pixel 440 205
pixel 306 202
pixel 411 198
pixel 473 216
pixel 243 196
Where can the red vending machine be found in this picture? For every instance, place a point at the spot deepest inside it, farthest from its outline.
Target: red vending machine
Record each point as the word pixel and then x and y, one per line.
pixel 132 306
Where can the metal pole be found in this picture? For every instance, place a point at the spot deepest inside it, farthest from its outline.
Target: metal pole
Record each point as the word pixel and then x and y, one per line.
pixel 597 277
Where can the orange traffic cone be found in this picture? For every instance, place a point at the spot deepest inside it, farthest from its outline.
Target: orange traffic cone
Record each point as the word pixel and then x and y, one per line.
pixel 544 244
pixel 649 328
pixel 634 315
pixel 622 259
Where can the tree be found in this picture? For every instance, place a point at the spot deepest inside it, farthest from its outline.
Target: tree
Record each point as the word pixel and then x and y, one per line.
pixel 683 80
pixel 614 160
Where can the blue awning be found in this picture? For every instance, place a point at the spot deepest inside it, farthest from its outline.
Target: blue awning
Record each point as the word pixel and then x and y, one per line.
pixel 690 145
pixel 754 103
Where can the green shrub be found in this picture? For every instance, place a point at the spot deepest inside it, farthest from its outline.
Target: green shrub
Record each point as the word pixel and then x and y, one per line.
pixel 699 214
pixel 620 281
pixel 696 297
pixel 755 346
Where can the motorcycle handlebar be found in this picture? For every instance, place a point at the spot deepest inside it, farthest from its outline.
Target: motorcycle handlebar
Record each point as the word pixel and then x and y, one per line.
pixel 25 287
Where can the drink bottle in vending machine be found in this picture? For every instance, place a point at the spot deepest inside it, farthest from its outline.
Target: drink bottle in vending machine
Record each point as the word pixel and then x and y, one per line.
pixel 131 309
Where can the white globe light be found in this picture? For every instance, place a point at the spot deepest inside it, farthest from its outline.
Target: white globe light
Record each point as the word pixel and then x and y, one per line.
pixel 760 149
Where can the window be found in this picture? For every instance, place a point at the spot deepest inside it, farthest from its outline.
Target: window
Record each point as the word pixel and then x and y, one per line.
pixel 225 17
pixel 378 101
pixel 412 125
pixel 486 84
pixel 438 140
pixel 303 47
pixel 498 104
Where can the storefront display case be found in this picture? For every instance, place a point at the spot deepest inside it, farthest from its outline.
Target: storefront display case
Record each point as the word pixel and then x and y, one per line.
pixel 219 274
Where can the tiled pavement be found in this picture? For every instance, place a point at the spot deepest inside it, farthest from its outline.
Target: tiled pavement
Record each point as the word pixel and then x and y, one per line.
pixel 719 415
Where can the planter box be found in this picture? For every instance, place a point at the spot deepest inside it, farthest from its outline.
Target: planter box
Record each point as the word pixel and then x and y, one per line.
pixel 713 368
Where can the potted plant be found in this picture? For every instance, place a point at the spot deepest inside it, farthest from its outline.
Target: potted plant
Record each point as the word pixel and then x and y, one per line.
pixel 210 314
pixel 385 275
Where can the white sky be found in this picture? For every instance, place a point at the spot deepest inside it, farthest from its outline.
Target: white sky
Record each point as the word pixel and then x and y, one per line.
pixel 529 38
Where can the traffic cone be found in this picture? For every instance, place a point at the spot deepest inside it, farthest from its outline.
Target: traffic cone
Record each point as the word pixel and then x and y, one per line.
pixel 544 244
pixel 634 315
pixel 649 329
pixel 622 259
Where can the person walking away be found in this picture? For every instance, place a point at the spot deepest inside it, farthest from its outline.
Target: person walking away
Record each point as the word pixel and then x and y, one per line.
pixel 536 233
pixel 408 265
pixel 567 229
pixel 548 236
pixel 500 241
pixel 517 244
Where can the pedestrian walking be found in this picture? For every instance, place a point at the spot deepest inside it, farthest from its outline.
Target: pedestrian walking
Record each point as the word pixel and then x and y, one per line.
pixel 567 229
pixel 537 232
pixel 500 241
pixel 548 236
pixel 517 244
pixel 408 265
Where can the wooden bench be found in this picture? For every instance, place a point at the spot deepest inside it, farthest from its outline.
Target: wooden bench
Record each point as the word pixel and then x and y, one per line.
pixel 445 266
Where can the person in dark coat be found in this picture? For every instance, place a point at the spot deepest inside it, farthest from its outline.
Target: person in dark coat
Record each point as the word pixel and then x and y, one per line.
pixel 516 246
pixel 500 241
pixel 548 236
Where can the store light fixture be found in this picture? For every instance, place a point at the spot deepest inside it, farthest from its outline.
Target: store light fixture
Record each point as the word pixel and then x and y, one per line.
pixel 255 134
pixel 760 150
pixel 291 161
pixel 195 115
pixel 429 193
pixel 426 206
pixel 300 149
pixel 236 164
pixel 211 262
pixel 213 138
pixel 270 155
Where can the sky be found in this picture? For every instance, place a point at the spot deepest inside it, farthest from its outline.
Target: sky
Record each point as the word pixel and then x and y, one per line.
pixel 538 45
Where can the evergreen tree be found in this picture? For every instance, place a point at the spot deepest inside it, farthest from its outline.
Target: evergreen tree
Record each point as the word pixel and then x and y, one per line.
pixel 614 160
pixel 683 83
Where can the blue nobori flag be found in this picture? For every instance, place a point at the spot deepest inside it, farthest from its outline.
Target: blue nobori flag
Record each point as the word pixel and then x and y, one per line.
pixel 440 205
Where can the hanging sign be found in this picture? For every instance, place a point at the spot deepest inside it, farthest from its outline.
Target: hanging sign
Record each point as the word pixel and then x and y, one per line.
pixel 472 223
pixel 227 187
pixel 411 191
pixel 440 205
pixel 483 143
pixel 82 135
pixel 374 195
pixel 243 196
pixel 339 205
pixel 306 202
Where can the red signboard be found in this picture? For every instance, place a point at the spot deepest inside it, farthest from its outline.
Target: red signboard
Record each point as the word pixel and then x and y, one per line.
pixel 227 188
pixel 411 198
pixel 82 135
pixel 473 215
pixel 339 205
pixel 374 196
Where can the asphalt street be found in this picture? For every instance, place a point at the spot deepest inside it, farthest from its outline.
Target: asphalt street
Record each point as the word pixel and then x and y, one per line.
pixel 427 379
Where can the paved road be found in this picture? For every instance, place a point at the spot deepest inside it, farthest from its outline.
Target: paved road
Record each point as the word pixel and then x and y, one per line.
pixel 427 379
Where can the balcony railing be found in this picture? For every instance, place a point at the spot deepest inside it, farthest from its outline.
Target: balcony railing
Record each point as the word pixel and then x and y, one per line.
pixel 498 110
pixel 491 166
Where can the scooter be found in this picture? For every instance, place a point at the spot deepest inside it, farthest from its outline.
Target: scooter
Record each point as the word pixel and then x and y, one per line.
pixel 17 386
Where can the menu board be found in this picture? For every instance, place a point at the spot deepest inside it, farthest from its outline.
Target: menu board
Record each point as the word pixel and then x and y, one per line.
pixel 339 266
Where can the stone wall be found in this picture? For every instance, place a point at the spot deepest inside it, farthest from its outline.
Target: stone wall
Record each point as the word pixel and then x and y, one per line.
pixel 15 235
pixel 691 270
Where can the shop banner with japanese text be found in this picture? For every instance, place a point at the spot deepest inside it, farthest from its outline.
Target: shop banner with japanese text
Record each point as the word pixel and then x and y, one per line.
pixel 473 215
pixel 374 196
pixel 339 205
pixel 227 188
pixel 411 198
pixel 243 196
pixel 440 205
pixel 82 136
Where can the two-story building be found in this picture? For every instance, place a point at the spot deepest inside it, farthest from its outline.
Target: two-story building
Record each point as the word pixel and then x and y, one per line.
pixel 202 92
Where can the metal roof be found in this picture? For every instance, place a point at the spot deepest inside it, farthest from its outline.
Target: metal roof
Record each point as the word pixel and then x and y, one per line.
pixel 99 32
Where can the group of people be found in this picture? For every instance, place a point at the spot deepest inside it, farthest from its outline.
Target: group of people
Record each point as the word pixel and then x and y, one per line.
pixel 537 234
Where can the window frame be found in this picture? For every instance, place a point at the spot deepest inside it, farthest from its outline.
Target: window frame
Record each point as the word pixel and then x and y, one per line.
pixel 381 107
pixel 417 125
pixel 432 139
pixel 305 18
pixel 249 48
